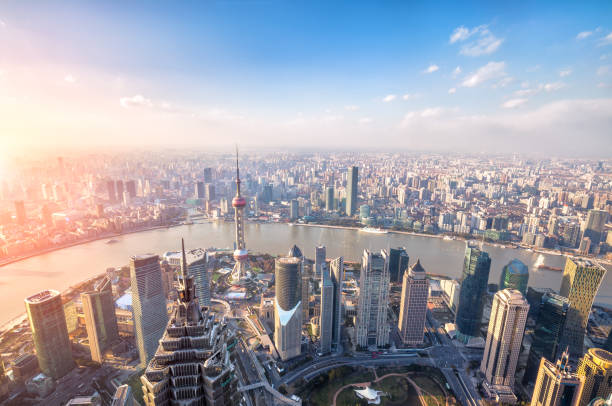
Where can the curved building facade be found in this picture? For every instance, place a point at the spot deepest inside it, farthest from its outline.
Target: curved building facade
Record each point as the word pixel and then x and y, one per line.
pixel 288 307
pixel 515 275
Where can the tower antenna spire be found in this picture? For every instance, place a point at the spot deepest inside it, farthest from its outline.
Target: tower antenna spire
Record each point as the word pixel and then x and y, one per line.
pixel 237 174
pixel 183 262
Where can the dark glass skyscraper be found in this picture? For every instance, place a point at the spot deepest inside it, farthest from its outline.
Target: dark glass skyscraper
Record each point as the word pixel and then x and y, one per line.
pixel 595 223
pixel 351 190
pixel 398 263
pixel 515 275
pixel 476 267
pixel 100 319
pixel 547 333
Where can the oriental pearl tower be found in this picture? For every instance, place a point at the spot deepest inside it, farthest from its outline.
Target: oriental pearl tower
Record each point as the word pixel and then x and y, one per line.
pixel 241 255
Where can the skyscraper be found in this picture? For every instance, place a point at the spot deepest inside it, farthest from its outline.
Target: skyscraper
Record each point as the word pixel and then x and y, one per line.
pixel 294 210
pixel 336 270
pixel 595 368
pixel 413 306
pixel 207 175
pixel 515 275
pixel 351 191
pixel 319 259
pixel 130 187
pixel 241 255
pixel 326 318
pixel 472 297
pixel 556 385
pixel 503 344
pixel 49 333
pixel 20 212
pixel 296 252
pixel 119 188
pixel 193 362
pixel 594 226
pixel 371 327
pixel 100 319
pixel 581 280
pixel 288 307
pixel 197 267
pixel 547 333
pixel 199 190
pixel 148 303
pixel 110 189
pixel 398 263
pixel 329 198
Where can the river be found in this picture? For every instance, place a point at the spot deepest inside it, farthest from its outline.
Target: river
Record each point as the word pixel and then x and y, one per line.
pixel 66 267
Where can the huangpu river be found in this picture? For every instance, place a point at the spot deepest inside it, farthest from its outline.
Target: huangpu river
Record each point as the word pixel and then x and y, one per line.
pixel 66 267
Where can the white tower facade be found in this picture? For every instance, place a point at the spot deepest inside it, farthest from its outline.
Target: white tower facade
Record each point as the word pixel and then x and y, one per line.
pixel 503 345
pixel 241 255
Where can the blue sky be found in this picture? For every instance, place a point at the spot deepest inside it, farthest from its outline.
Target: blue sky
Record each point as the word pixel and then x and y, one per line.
pixel 510 77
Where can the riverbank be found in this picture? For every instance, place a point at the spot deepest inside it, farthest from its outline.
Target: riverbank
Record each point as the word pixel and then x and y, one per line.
pixel 9 261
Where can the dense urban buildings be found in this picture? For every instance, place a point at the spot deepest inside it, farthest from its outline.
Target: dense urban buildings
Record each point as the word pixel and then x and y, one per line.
pixel 581 280
pixel 595 368
pixel 194 361
pixel 515 275
pixel 49 333
pixel 472 296
pixel 371 326
pixel 556 385
pixel 100 318
pixel 413 305
pixel 503 344
pixel 149 304
pixel 288 307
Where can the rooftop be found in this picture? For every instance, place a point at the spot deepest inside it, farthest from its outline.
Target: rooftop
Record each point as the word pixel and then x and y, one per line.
pixel 42 296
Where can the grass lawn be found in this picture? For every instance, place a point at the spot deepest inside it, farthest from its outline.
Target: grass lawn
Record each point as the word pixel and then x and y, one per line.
pixel 429 386
pixel 216 276
pixel 324 395
pixel 399 393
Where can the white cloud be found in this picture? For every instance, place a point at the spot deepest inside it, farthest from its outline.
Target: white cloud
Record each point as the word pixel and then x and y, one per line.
pixel 483 43
pixel 550 87
pixel 565 72
pixel 505 81
pixel 410 96
pixel 135 101
pixel 389 98
pixel 456 71
pixel 365 120
pixel 549 129
pixel 603 70
pixel 514 103
pixel 607 39
pixel 492 70
pixel 351 108
pixel 524 92
pixel 452 90
pixel 69 79
pixel 584 34
pixel 431 69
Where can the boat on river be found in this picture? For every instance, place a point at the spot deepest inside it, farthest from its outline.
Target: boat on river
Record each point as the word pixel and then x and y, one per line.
pixel 373 230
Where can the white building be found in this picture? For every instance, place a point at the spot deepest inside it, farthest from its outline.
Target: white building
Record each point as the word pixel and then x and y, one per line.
pixel 503 344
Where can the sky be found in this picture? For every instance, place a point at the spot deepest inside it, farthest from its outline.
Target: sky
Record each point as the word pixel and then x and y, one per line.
pixel 493 77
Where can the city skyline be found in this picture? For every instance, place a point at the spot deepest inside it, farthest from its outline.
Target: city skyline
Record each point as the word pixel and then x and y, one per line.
pixel 501 79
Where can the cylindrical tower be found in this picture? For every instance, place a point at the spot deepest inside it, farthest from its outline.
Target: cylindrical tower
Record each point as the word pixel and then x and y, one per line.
pixel 241 255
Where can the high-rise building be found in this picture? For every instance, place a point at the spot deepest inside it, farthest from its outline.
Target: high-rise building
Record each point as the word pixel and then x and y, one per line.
pixel 20 212
pixel 595 226
pixel 193 364
pixel 148 303
pixel 241 255
pixel 336 270
pixel 413 306
pixel 595 368
pixel 100 319
pixel 119 188
pixel 296 252
pixel 556 385
pixel 319 260
pixel 371 327
pixel 130 187
pixel 326 318
pixel 199 190
pixel 197 267
pixel 288 307
pixel 49 333
pixel 515 275
pixel 398 263
pixel 608 345
pixel 581 280
pixel 294 210
pixel 208 175
pixel 329 198
pixel 209 191
pixel 503 344
pixel 472 297
pixel 351 191
pixel 123 396
pixel 110 189
pixel 547 333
